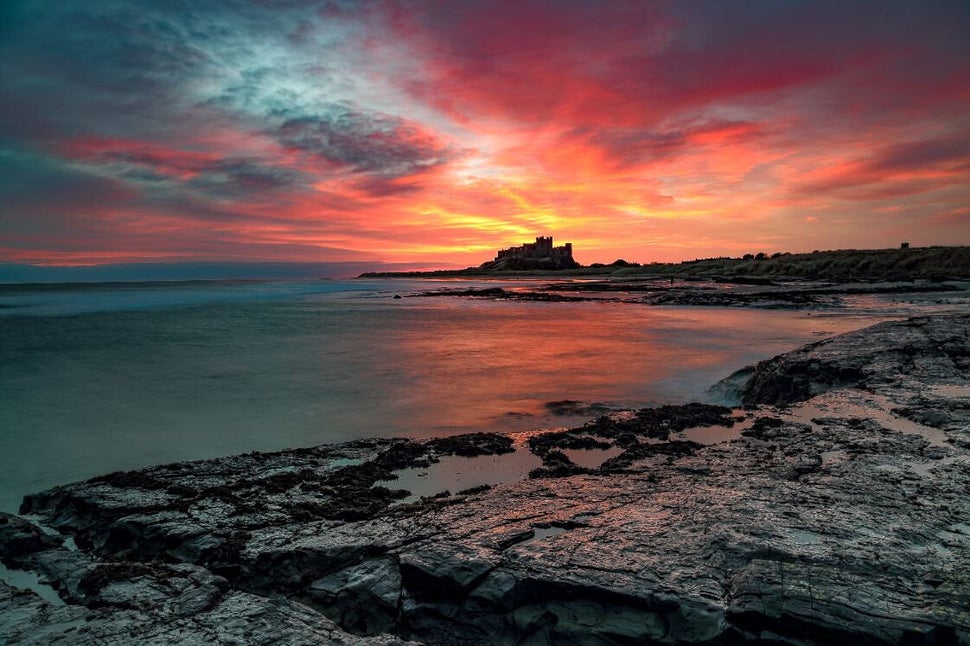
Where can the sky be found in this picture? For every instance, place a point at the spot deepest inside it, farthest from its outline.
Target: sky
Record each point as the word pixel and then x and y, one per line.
pixel 435 132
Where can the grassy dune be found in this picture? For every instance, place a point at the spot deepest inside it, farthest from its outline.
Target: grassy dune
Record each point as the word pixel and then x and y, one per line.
pixel 847 264
pixel 925 263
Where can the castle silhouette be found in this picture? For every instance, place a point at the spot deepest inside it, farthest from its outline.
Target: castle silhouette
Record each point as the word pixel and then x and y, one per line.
pixel 540 254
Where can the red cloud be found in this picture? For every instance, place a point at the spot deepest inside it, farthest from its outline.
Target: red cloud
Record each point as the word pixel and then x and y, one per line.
pixel 177 163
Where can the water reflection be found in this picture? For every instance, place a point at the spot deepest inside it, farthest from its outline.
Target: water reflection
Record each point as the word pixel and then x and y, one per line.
pixel 496 364
pixel 453 473
pixel 106 380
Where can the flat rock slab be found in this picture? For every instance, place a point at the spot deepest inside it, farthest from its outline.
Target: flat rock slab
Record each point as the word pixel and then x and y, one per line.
pixel 838 519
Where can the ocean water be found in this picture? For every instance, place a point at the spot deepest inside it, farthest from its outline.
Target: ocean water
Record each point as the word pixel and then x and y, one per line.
pixel 97 378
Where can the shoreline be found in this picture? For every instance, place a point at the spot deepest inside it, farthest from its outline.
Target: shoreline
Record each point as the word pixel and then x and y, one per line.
pixel 766 294
pixel 905 264
pixel 615 354
pixel 860 531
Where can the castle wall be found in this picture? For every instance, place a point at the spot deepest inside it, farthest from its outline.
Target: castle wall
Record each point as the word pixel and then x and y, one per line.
pixel 541 248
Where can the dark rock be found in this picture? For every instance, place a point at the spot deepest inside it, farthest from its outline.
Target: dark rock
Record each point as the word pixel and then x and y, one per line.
pixel 937 414
pixel 764 428
pixel 660 422
pixel 556 464
pixel 19 538
pixel 235 617
pixel 636 452
pixel 543 443
pixel 932 347
pixel 474 490
pixel 571 407
pixel 363 598
pixel 444 570
pixel 709 298
pixel 472 444
pixel 762 293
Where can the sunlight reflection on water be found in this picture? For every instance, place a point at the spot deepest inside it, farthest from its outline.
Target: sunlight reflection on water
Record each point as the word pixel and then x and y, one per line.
pixel 106 377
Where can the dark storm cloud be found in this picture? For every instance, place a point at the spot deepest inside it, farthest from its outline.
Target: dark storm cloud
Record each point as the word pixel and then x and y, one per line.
pixel 942 152
pixel 116 67
pixel 364 141
pixel 253 175
pixel 143 73
pixel 227 176
pixel 102 67
pixel 65 187
pixel 75 195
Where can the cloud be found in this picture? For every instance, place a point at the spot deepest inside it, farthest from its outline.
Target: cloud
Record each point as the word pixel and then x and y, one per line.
pixel 363 141
pixel 942 153
pixel 897 170
pixel 32 186
pixel 433 127
pixel 633 64
pixel 193 170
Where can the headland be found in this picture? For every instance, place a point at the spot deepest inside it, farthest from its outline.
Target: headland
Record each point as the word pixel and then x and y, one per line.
pixel 820 279
pixel 902 264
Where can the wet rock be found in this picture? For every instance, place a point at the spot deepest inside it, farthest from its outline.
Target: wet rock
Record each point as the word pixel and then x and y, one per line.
pixel 780 299
pixel 151 602
pixel 364 597
pixel 238 618
pixel 641 451
pixel 566 407
pixel 659 422
pixel 445 570
pixel 19 538
pixel 931 347
pixel 486 292
pixel 543 443
pixel 472 444
pixel 938 414
pixel 765 428
pixel 756 292
pixel 497 293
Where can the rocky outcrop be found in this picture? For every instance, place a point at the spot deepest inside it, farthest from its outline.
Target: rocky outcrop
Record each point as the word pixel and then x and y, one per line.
pixel 838 522
pixel 762 294
pixel 918 350
pixel 170 607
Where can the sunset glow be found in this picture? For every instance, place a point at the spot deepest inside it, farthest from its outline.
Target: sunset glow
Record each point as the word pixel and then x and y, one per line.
pixel 436 132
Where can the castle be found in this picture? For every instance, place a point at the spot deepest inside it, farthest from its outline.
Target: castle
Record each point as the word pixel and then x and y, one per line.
pixel 541 248
pixel 534 255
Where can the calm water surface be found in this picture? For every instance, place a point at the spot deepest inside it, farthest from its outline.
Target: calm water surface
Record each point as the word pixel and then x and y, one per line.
pixel 106 377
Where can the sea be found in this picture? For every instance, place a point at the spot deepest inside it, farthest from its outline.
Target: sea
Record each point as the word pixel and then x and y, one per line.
pixel 103 377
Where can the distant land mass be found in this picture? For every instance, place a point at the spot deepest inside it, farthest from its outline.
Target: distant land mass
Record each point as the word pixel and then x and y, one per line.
pixel 187 271
pixel 536 259
pixel 904 263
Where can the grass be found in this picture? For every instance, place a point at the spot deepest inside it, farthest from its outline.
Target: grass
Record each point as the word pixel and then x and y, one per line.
pixel 924 263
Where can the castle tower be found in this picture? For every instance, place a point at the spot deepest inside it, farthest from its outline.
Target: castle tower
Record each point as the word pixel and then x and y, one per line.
pixel 538 254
